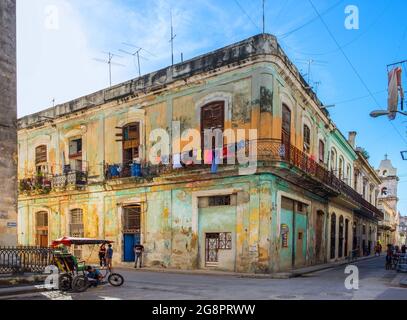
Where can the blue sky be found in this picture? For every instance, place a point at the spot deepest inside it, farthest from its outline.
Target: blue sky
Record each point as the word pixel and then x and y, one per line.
pixel 59 39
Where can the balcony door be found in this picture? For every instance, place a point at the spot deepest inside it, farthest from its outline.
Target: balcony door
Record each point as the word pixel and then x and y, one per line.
pixel 212 118
pixel 286 129
pixel 131 144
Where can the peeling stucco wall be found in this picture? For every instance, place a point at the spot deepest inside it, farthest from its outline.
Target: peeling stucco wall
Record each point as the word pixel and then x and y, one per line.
pixel 8 131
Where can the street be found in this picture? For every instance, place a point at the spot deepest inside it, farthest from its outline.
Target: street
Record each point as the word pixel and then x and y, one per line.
pixel 375 283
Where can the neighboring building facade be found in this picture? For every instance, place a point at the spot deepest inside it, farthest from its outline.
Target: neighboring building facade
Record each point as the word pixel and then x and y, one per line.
pixel 403 230
pixel 8 130
pixel 388 200
pixel 366 182
pixel 80 174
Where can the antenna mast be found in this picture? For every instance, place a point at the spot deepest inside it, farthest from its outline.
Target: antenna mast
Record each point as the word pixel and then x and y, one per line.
pixel 264 16
pixel 172 40
pixel 110 62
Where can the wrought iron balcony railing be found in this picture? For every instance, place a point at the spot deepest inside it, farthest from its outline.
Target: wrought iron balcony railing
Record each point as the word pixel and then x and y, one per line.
pixel 269 152
pixel 44 184
pixel 70 180
pixel 41 184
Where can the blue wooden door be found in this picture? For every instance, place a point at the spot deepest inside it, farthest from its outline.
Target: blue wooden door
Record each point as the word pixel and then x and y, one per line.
pixel 129 242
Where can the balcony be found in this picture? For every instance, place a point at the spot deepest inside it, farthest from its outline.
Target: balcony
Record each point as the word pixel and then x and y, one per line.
pixel 45 184
pixel 283 160
pixel 39 184
pixel 75 180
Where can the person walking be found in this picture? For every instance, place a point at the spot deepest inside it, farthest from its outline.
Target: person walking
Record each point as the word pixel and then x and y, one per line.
pixel 102 255
pixel 138 250
pixel 109 257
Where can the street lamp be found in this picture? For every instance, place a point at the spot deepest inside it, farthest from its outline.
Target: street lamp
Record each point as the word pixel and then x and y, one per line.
pixel 404 155
pixel 380 113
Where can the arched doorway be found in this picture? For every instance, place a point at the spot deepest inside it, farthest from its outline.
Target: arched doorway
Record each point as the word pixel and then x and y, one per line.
pixel 346 237
pixel 340 246
pixel 41 229
pixel 333 236
pixel 319 232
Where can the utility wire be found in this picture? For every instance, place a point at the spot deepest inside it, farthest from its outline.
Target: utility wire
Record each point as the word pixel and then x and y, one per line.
pixel 352 66
pixel 366 30
pixel 247 15
pixel 285 35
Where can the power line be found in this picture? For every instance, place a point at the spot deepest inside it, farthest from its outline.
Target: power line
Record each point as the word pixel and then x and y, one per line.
pixel 378 18
pixel 352 66
pixel 247 15
pixel 285 35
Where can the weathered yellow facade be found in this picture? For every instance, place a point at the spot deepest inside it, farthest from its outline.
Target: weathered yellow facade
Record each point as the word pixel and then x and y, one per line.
pixel 195 216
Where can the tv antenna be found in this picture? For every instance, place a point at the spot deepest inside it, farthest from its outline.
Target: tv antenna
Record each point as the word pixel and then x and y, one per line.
pixel 136 55
pixel 264 16
pixel 110 63
pixel 310 63
pixel 173 36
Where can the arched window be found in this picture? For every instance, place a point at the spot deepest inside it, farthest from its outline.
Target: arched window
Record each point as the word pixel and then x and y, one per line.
pixel 340 169
pixel 341 229
pixel 321 151
pixel 131 143
pixel 41 159
pixel 212 118
pixel 348 174
pixel 384 191
pixel 286 125
pixel 356 180
pixel 333 236
pixel 307 139
pixel 333 160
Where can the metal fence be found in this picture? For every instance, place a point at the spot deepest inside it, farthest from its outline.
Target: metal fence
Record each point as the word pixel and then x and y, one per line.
pixel 19 260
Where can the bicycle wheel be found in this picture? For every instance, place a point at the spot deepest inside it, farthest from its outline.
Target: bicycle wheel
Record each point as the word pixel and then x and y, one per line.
pixel 115 279
pixel 65 282
pixel 80 284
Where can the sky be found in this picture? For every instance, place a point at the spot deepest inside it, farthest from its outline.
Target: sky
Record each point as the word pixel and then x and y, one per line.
pixel 59 40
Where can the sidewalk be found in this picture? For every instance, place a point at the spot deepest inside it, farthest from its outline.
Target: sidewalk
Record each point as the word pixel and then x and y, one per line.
pixel 278 275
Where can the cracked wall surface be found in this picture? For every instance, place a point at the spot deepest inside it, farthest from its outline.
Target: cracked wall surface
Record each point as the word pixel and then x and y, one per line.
pixel 8 131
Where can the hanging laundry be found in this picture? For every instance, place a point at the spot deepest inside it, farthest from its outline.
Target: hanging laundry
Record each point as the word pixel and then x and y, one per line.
pixel 208 156
pixel 216 154
pixel 394 87
pixel 177 161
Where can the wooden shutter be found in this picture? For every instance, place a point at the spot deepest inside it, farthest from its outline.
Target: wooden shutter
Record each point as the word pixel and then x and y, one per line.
pixel 41 154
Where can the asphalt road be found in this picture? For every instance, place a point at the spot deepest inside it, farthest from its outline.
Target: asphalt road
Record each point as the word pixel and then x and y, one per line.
pixel 374 283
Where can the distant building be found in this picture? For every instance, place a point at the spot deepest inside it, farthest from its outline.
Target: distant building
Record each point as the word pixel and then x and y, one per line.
pixel 8 131
pixel 388 201
pixel 403 230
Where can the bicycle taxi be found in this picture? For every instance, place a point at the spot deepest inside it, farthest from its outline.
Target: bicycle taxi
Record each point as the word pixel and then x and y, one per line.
pixel 73 275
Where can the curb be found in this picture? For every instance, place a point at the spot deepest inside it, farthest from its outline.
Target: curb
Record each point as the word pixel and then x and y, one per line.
pixel 15 281
pixel 278 275
pixel 16 291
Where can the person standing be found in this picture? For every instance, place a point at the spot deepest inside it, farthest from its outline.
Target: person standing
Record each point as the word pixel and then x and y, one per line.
pixel 138 250
pixel 102 255
pixel 109 257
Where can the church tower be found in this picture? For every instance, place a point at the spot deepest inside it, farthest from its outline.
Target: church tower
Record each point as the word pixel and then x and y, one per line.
pixel 388 188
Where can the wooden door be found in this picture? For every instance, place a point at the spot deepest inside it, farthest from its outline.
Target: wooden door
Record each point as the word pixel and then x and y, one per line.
pixel 286 131
pixel 212 118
